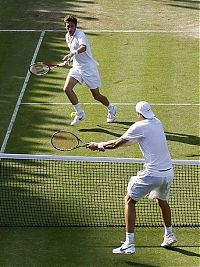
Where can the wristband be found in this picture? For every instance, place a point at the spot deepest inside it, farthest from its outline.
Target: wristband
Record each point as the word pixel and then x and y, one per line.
pixel 100 146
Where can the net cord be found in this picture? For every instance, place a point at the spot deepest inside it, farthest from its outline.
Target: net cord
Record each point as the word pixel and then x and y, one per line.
pixel 91 159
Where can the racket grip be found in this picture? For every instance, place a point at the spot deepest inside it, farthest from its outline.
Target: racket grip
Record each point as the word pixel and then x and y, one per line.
pixel 62 64
pixel 87 145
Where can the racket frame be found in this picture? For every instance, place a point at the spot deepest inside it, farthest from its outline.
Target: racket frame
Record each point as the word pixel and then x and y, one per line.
pixel 68 149
pixel 48 65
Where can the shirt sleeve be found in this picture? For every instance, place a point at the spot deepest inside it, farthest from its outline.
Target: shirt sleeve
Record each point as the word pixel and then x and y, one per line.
pixel 66 39
pixel 134 133
pixel 82 39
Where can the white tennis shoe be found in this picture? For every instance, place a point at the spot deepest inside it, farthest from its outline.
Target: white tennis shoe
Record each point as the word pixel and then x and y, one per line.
pixel 125 249
pixel 111 114
pixel 169 240
pixel 79 117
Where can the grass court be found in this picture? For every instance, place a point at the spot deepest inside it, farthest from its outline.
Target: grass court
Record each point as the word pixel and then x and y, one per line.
pixel 147 50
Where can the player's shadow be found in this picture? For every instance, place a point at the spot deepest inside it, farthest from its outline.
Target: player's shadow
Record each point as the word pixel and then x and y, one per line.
pixel 136 264
pixel 183 138
pixel 100 130
pixel 185 4
pixel 115 129
pixel 184 251
pixel 181 3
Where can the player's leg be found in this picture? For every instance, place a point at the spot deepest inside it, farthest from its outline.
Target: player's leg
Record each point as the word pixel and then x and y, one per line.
pixel 161 194
pixel 169 237
pixel 99 97
pixel 165 211
pixel 130 214
pixel 137 188
pixel 104 100
pixel 68 88
pixel 128 246
pixel 92 78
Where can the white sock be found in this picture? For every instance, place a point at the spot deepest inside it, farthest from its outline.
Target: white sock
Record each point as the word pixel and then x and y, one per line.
pixel 129 238
pixel 110 106
pixel 77 108
pixel 168 230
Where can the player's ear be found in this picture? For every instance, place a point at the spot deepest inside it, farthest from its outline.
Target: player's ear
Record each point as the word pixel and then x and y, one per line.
pixel 139 115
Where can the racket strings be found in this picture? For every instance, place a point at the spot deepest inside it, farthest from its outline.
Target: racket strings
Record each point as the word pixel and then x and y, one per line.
pixel 64 141
pixel 39 68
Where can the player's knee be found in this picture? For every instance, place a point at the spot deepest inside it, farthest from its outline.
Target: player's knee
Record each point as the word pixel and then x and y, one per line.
pixel 128 200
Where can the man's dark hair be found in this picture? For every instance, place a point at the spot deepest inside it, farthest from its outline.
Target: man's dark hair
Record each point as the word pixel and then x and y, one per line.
pixel 70 18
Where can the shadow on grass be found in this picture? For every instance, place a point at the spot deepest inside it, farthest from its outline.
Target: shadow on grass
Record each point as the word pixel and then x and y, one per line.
pixel 185 4
pixel 184 251
pixel 116 129
pixel 136 264
pixel 37 15
pixel 183 138
pixel 101 130
pixel 190 4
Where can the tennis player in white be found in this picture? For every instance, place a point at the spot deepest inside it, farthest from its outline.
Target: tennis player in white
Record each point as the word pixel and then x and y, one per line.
pixel 84 69
pixel 156 177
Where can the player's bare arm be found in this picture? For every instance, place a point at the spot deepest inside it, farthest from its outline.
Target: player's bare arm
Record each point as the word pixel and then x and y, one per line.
pixel 112 144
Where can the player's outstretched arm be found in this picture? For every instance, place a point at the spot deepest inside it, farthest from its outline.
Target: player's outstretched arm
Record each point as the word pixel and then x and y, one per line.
pixel 112 144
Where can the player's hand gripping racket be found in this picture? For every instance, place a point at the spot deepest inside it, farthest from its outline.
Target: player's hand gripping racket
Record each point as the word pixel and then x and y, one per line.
pixel 42 68
pixel 66 141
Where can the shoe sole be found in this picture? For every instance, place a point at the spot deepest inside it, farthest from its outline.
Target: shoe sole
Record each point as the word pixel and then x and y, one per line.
pixel 169 245
pixel 80 120
pixel 114 117
pixel 124 252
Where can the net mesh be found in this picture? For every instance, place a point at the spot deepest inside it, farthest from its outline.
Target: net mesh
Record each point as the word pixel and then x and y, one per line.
pixel 39 191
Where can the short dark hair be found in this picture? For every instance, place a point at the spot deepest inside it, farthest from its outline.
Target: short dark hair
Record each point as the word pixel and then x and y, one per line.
pixel 70 18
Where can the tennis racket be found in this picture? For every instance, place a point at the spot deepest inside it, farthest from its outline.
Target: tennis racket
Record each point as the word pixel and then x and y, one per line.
pixel 66 141
pixel 42 68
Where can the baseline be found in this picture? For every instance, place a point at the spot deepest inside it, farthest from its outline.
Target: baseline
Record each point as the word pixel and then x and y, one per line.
pixel 118 104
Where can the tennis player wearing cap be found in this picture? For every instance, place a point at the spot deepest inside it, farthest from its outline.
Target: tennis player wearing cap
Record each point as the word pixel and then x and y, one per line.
pixel 156 177
pixel 84 69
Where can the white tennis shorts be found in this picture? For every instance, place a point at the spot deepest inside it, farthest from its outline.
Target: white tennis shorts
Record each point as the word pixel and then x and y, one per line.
pixel 90 76
pixel 157 187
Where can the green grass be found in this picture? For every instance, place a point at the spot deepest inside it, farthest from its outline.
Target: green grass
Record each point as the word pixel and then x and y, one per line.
pixel 16 51
pixel 160 68
pixel 157 67
pixel 89 247
pixel 101 14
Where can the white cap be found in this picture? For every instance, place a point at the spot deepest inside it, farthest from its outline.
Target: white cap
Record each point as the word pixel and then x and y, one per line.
pixel 144 108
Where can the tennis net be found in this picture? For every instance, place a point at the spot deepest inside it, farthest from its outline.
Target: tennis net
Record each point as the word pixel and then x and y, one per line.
pixel 86 191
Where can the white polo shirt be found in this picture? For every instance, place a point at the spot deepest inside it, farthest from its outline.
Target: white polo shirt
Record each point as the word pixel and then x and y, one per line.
pixel 85 59
pixel 150 136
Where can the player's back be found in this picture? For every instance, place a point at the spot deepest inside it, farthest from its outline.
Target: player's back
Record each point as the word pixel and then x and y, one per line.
pixel 154 144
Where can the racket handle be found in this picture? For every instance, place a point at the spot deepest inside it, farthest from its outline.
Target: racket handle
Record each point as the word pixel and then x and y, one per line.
pixel 87 145
pixel 62 64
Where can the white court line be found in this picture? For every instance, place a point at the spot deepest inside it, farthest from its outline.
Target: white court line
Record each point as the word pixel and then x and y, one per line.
pixel 109 31
pixel 118 104
pixel 21 95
